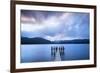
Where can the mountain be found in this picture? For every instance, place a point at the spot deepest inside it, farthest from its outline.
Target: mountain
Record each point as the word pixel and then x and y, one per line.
pixel 38 40
pixel 76 41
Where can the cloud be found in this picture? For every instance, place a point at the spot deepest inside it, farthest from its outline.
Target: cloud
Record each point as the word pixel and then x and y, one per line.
pixel 56 25
pixel 60 37
pixel 52 22
pixel 25 19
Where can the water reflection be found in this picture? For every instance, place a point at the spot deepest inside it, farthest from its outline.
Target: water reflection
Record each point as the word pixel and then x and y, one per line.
pixel 55 49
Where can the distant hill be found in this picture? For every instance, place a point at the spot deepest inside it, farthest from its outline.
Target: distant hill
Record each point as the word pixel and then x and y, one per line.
pixel 76 41
pixel 38 40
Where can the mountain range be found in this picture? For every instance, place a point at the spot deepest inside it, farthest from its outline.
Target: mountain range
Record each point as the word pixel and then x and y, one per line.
pixel 39 40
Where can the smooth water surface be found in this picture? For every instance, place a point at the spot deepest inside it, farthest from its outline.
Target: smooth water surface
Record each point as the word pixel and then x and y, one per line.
pixel 42 52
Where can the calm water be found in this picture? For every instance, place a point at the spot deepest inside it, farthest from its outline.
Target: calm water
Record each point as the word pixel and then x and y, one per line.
pixel 42 53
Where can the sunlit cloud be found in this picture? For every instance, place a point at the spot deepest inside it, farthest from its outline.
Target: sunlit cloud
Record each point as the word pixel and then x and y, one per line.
pixel 59 37
pixel 29 20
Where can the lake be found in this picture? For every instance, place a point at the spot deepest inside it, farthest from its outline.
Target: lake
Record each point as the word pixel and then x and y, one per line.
pixel 42 52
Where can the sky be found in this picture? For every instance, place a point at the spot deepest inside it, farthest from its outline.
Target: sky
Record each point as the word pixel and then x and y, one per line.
pixel 54 25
